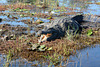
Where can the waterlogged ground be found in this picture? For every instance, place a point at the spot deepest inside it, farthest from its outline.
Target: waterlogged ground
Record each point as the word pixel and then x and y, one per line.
pixel 18 28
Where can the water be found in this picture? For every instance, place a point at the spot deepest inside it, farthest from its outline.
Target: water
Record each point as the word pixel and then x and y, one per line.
pixel 93 9
pixel 13 23
pixel 89 57
pixel 16 22
pixel 3 1
pixel 79 6
pixel 82 6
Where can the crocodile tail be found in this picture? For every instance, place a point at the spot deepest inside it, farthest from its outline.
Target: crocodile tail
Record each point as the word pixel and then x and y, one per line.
pixel 86 18
pixel 91 18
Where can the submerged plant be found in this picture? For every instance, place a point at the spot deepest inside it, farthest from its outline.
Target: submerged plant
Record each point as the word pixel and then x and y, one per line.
pixel 8 59
pixel 54 59
pixel 9 56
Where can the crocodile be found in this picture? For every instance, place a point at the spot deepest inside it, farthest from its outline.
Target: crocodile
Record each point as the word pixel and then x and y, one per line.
pixel 59 27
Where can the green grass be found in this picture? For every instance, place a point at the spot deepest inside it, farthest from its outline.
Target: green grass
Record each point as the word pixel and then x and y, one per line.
pixel 54 59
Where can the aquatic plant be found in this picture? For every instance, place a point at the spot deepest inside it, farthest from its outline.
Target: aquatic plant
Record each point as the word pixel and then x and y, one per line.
pixel 54 59
pixel 9 56
pixel 39 47
pixel 49 17
pixel 89 32
pixel 8 59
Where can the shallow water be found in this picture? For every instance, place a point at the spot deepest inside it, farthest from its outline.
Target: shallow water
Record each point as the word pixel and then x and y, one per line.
pixel 88 57
pixel 79 6
pixel 14 23
pixel 82 6
pixel 3 1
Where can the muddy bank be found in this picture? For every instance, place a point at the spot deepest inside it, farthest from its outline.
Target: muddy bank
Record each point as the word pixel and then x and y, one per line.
pixel 16 40
pixel 65 46
pixel 22 40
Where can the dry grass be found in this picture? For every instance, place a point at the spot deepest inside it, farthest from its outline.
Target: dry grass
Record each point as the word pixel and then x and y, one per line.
pixel 98 3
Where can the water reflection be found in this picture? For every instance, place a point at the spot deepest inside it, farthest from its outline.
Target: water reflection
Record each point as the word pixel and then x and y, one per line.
pixel 89 57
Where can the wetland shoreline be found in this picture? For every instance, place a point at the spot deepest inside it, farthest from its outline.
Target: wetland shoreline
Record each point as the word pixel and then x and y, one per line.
pixel 17 34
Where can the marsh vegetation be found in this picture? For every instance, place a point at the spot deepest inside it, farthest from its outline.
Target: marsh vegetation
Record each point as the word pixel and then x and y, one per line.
pixel 18 25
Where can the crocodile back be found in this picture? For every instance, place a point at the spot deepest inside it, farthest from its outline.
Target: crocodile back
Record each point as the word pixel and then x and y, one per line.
pixel 91 18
